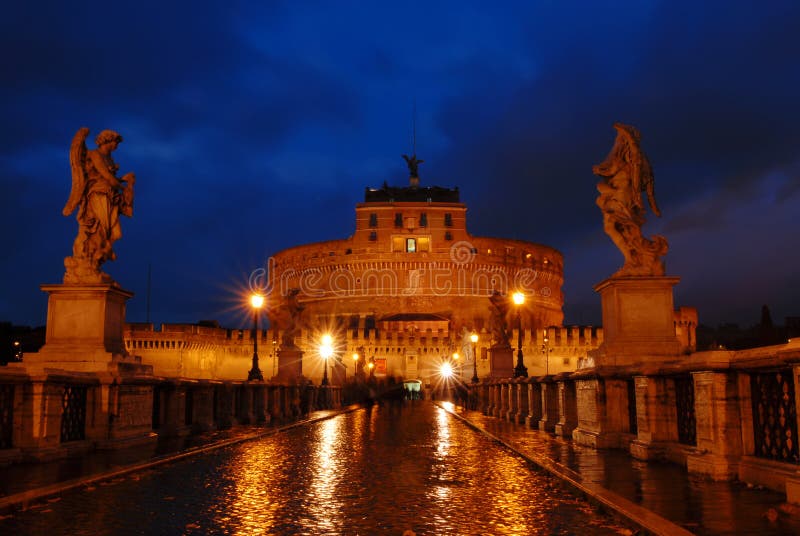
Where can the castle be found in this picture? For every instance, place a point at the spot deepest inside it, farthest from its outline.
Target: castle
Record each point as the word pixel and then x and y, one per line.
pixel 401 295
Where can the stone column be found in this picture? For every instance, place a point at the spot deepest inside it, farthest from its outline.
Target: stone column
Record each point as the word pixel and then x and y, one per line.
pixel 172 411
pixel 276 406
pixel 494 388
pixel 511 412
pixel 567 408
pixel 549 406
pixel 129 415
pixel 534 403
pixel 41 407
pixel 719 429
pixel 602 413
pixel 224 401
pixel 502 405
pixel 522 400
pixel 203 407
pixel 656 417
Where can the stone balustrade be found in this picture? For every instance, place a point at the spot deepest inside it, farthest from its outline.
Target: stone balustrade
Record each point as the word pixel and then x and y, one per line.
pixel 62 414
pixel 722 414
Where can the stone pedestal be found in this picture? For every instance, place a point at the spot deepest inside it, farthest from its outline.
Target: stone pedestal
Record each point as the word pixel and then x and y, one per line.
pixel 84 326
pixel 290 364
pixel 84 357
pixel 501 361
pixel 638 320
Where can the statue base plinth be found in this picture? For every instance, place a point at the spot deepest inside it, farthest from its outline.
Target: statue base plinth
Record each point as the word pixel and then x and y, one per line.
pixel 290 364
pixel 501 360
pixel 638 320
pixel 84 324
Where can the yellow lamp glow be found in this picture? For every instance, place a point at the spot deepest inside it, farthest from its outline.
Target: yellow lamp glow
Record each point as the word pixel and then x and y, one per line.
pixel 456 356
pixel 519 298
pixel 355 357
pixel 446 370
pixel 326 348
pixel 256 300
pixel 473 338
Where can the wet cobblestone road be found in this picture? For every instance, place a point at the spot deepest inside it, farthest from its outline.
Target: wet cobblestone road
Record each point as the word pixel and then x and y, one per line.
pixel 372 471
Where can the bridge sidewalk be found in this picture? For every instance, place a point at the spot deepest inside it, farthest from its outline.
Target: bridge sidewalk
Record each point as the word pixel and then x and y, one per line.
pixel 25 483
pixel 620 482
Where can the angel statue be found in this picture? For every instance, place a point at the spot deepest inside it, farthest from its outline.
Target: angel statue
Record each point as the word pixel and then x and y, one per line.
pixel 498 320
pixel 413 164
pixel 100 198
pixel 626 173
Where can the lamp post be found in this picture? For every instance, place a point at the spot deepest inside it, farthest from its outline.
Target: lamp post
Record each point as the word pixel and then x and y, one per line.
pixel 355 364
pixel 257 301
pixel 546 353
pixel 520 370
pixel 474 339
pixel 325 350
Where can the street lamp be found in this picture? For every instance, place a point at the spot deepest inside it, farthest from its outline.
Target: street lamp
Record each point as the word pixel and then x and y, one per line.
pixel 546 352
pixel 355 364
pixel 257 301
pixel 325 351
pixel 520 370
pixel 474 339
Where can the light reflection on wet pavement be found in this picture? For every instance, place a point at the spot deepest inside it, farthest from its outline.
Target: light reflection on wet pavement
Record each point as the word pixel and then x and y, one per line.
pixel 694 502
pixel 381 470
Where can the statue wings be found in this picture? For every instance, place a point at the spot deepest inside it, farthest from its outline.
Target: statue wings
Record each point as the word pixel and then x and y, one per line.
pixel 77 159
pixel 412 161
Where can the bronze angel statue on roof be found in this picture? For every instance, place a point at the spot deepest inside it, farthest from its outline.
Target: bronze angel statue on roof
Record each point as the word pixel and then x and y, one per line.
pixel 100 197
pixel 627 174
pixel 413 164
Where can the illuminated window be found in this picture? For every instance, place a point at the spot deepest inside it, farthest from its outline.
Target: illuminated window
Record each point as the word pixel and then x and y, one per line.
pixel 411 245
pixel 423 243
pixel 398 243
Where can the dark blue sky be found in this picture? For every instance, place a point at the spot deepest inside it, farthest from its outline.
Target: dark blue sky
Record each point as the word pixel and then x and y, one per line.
pixel 253 128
